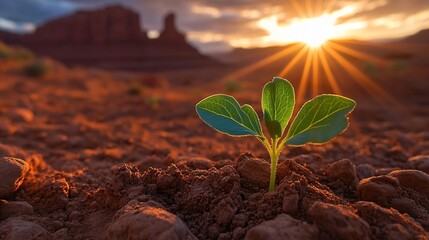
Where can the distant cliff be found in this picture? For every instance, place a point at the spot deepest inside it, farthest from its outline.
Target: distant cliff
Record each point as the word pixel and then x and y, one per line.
pixel 422 37
pixel 111 38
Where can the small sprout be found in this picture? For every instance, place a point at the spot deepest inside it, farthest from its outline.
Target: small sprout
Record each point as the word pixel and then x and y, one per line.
pixel 318 121
pixel 135 89
pixel 398 66
pixel 153 101
pixel 4 54
pixel 36 69
pixel 7 53
pixel 233 86
pixel 370 68
pixel 23 54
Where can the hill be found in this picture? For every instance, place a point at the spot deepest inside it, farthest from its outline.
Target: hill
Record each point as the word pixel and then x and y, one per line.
pixel 422 37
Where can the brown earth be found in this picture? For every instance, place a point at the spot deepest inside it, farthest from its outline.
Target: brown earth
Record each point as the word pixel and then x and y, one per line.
pixel 124 156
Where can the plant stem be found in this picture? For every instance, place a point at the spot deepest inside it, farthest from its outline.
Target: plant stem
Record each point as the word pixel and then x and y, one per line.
pixel 266 144
pixel 274 155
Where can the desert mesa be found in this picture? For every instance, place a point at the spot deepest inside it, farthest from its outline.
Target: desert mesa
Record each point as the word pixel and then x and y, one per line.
pixel 111 38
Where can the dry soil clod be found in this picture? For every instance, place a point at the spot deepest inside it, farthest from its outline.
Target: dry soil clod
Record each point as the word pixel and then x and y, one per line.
pixel 147 221
pixel 405 190
pixel 12 172
pixel 283 227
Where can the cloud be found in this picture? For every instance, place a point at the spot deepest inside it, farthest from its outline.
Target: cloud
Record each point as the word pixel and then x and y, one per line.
pixel 388 7
pixel 227 22
pixel 16 27
pixel 34 11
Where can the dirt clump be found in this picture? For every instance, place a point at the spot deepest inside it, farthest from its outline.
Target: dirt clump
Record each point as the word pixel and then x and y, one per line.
pixel 147 220
pixel 18 229
pixel 339 222
pixel 222 203
pixel 254 170
pixel 344 171
pixel 50 193
pixel 419 162
pixel 405 190
pixel 389 223
pixel 282 227
pixel 194 162
pixel 20 115
pixel 11 209
pixel 12 171
pixel 364 170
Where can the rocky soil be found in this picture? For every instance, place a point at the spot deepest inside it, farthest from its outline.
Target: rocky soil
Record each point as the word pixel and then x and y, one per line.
pixel 88 154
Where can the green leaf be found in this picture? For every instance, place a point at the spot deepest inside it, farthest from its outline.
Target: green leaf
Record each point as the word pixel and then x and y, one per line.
pixel 253 116
pixel 224 114
pixel 278 101
pixel 320 120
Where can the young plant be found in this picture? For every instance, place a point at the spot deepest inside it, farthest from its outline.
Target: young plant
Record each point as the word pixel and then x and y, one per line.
pixel 135 89
pixel 36 69
pixel 153 101
pixel 233 86
pixel 318 121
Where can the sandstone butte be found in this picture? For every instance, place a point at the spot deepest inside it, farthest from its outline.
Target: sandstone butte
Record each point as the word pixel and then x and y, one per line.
pixel 111 38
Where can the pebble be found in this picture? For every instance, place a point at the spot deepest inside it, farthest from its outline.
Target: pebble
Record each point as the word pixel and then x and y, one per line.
pixel 365 170
pixel 290 203
pixel 138 220
pixel 12 209
pixel 12 172
pixel 343 170
pixel 419 162
pixel 405 190
pixel 256 171
pixel 282 227
pixel 339 221
pixel 18 229
pixel 20 115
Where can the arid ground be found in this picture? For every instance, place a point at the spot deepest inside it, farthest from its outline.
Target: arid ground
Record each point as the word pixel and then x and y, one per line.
pixel 121 155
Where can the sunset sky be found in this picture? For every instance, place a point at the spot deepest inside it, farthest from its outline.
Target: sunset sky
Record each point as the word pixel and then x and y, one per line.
pixel 218 25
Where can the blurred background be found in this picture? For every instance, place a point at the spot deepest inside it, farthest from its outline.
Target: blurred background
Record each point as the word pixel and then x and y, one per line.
pixel 160 36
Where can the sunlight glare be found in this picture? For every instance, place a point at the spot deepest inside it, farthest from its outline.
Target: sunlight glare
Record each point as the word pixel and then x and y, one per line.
pixel 314 31
pixel 311 31
pixel 318 59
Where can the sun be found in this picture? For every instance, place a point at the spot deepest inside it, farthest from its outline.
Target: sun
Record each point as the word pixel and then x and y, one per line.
pixel 315 54
pixel 314 31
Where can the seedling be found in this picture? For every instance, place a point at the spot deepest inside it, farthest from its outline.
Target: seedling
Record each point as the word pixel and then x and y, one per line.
pixel 135 89
pixel 4 54
pixel 233 87
pixel 36 69
pixel 153 101
pixel 23 54
pixel 318 121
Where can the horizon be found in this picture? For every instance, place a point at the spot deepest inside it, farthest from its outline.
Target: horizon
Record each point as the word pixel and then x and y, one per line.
pixel 222 26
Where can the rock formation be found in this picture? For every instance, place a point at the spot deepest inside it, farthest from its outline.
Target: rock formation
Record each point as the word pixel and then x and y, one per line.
pixel 170 33
pixel 110 38
pixel 111 25
pixel 422 37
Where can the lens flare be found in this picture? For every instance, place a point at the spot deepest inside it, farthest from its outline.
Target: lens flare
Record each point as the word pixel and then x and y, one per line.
pixel 313 49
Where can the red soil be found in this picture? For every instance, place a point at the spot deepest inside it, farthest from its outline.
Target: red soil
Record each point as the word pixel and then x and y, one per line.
pixel 108 162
